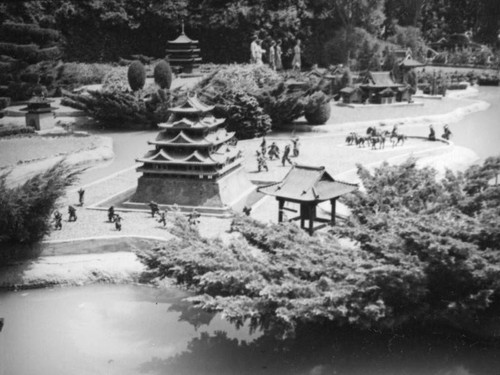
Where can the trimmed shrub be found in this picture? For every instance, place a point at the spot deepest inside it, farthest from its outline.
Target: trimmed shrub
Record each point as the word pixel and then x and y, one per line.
pixel 4 102
pixel 283 106
pixel 28 33
pixel 82 74
pixel 317 108
pixel 26 52
pixel 163 74
pixel 52 53
pixel 15 130
pixel 136 75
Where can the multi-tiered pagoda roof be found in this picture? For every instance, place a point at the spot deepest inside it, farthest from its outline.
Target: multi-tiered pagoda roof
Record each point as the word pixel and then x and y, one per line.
pixel 183 52
pixel 192 144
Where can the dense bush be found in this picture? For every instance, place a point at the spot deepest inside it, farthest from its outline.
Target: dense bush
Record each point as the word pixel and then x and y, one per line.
pixel 163 74
pixel 25 210
pixel 282 105
pixel 420 257
pixel 136 75
pixel 244 115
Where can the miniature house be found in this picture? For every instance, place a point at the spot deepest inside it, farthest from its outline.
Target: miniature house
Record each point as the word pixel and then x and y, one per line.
pixel 351 95
pixel 380 87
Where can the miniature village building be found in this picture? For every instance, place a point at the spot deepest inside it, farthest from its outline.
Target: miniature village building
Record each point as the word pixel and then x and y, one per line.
pixel 308 186
pixel 404 94
pixel 183 53
pixel 195 162
pixel 39 114
pixel 379 87
pixel 351 95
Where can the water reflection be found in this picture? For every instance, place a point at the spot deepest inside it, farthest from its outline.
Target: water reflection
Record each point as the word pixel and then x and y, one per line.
pixel 134 329
pixel 322 352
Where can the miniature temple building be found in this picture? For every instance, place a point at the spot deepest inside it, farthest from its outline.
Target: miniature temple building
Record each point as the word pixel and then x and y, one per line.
pixel 183 53
pixel 351 95
pixel 195 162
pixel 375 85
pixel 39 114
pixel 308 186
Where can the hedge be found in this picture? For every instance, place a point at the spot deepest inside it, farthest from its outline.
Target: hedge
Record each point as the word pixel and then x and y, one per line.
pixel 15 130
pixel 28 33
pixel 26 52
pixel 51 53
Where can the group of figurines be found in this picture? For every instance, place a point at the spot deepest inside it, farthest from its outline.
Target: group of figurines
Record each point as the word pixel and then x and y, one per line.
pixel 273 153
pixel 193 216
pixel 446 133
pixel 274 54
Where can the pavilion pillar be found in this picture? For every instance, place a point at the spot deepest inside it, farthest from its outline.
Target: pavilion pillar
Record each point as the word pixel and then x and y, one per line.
pixel 303 214
pixel 312 216
pixel 281 205
pixel 333 203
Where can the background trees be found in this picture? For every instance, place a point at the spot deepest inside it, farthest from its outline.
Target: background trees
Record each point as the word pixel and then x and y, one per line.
pixel 95 30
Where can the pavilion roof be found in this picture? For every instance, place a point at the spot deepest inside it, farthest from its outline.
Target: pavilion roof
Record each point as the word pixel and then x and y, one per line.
pixel 192 105
pixel 183 39
pixel 411 63
pixel 306 184
pixel 380 80
pixel 350 90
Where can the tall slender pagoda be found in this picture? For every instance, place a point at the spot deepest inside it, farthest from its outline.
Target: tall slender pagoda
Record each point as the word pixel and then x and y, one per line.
pixel 183 52
pixel 195 162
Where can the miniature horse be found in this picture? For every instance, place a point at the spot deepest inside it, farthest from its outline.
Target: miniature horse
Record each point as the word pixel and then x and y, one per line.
pixel 376 137
pixel 396 138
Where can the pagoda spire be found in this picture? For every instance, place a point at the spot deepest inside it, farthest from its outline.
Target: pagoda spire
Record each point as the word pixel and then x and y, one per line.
pixel 182 28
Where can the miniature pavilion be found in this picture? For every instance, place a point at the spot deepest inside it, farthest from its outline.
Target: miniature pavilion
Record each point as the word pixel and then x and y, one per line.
pixel 195 162
pixel 308 186
pixel 39 113
pixel 184 53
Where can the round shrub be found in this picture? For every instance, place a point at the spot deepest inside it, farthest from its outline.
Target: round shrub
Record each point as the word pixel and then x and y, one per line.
pixel 317 109
pixel 163 74
pixel 136 75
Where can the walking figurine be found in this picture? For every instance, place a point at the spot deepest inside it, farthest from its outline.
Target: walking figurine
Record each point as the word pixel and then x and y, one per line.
pixel 432 133
pixel 163 218
pixel 154 208
pixel 111 214
pixel 295 142
pixel 261 163
pixel 247 210
pixel 447 133
pixel 286 155
pixel 58 220
pixel 263 146
pixel 72 213
pixel 118 222
pixel 81 194
pixel 274 151
pixel 193 218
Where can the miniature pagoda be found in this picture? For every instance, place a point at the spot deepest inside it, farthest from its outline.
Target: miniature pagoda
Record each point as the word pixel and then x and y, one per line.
pixel 195 162
pixel 183 52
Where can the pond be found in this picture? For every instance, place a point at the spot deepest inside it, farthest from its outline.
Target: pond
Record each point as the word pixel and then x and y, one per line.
pixel 113 329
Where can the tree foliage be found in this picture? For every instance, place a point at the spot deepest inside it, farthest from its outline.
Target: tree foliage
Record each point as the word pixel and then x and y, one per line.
pixel 419 257
pixel 25 210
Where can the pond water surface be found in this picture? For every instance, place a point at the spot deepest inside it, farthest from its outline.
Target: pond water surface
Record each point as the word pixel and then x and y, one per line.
pixel 112 329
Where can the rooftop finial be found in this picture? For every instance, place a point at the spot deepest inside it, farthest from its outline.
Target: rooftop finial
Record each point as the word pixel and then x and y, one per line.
pixel 182 25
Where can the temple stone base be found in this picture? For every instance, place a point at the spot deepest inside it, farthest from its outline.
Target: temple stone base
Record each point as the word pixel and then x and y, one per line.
pixel 228 192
